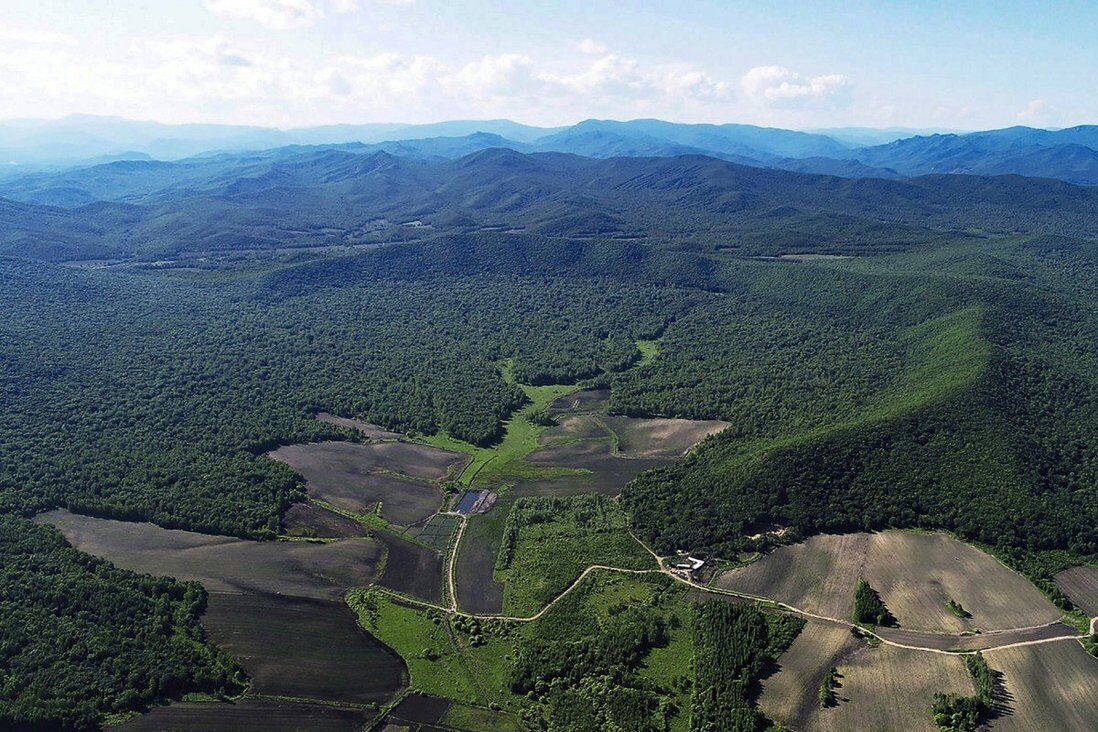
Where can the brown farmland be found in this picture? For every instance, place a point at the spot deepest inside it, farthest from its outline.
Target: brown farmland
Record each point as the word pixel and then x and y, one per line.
pixel 916 574
pixel 660 437
pixel 588 400
pixel 882 688
pixel 406 458
pixel 1081 585
pixel 355 477
pixel 1053 686
pixel 411 569
pixel 309 519
pixel 609 472
pixel 276 606
pixel 249 716
pixel 226 564
pixel 303 648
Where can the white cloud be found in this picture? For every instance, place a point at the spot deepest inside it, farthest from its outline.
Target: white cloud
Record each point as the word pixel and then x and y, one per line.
pixel 1035 112
pixel 287 14
pixel 34 36
pixel 274 14
pixel 590 46
pixel 778 85
pixel 235 79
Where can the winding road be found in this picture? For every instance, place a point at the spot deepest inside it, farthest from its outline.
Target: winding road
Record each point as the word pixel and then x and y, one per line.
pixel 663 569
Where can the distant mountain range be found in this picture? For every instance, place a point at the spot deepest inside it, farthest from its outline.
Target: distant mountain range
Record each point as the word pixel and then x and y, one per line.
pixel 358 195
pixel 36 146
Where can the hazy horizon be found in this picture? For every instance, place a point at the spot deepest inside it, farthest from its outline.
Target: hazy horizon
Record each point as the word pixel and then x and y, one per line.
pixel 302 63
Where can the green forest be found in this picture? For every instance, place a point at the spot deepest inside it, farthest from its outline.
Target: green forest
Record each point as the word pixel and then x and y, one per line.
pixel 946 383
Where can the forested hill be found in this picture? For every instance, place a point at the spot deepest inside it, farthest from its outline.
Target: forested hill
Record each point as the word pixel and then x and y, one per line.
pixel 326 197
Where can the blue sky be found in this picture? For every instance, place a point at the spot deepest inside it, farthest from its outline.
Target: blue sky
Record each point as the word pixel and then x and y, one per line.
pixel 966 65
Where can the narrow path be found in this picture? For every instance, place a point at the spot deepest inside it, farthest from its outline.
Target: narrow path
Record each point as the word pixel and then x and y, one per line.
pixel 451 561
pixel 663 569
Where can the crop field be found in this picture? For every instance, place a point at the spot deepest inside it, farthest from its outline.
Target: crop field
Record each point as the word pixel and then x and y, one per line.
pixel 303 648
pixel 1049 686
pixel 411 569
pixel 346 475
pixel 652 438
pixel 790 694
pixel 574 427
pixel 917 574
pixel 879 688
pixel 370 431
pixel 607 473
pixel 419 709
pixel 249 715
pixel 406 458
pixel 1081 585
pixel 311 520
pixel 225 564
pixel 436 533
pixel 478 719
pixel 477 589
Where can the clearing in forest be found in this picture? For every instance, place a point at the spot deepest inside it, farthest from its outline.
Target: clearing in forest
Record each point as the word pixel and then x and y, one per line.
pixel 660 437
pixel 355 477
pixel 917 575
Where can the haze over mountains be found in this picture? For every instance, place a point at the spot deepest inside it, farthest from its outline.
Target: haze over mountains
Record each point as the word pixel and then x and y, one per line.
pixel 1070 154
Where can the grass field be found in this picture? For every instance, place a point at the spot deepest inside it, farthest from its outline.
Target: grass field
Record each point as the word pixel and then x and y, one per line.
pixel 916 573
pixel 549 557
pixel 552 540
pixel 492 466
pixel 669 667
pixel 1050 687
pixel 477 719
pixel 441 662
pixel 882 688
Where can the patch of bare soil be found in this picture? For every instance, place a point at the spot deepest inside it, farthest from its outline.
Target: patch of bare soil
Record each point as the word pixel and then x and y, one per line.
pixel 222 563
pixel 1081 585
pixel 311 520
pixel 411 569
pixel 356 477
pixel 250 715
pixel 304 648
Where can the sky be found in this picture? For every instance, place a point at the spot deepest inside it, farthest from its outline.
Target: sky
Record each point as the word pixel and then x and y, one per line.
pixel 803 65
